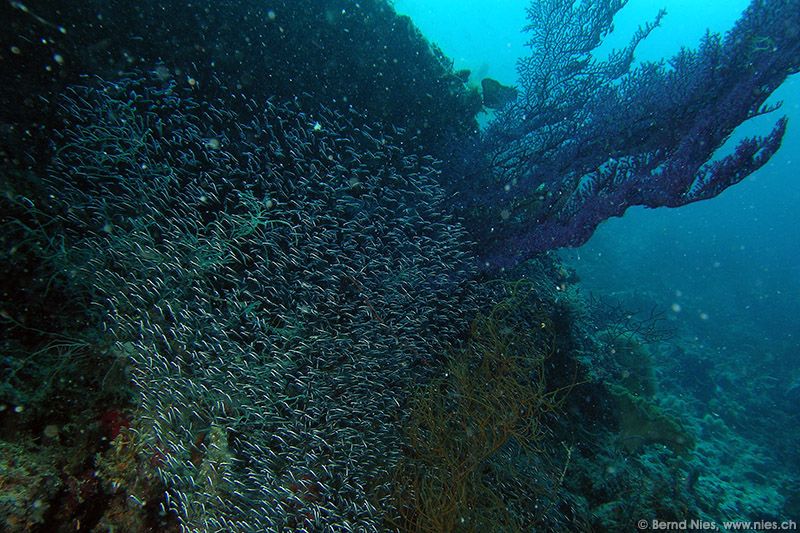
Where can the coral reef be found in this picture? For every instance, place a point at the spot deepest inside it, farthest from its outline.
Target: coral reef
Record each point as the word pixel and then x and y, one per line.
pixel 74 473
pixel 64 393
pixel 224 306
pixel 642 421
pixel 635 361
pixel 28 482
pixel 697 449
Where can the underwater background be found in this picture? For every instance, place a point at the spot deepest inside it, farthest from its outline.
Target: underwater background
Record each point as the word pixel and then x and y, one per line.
pixel 258 272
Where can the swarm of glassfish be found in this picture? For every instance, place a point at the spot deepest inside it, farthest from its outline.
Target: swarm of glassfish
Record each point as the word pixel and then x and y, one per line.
pixel 278 281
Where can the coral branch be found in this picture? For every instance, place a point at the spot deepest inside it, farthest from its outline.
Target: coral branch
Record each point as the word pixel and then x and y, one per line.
pixel 587 138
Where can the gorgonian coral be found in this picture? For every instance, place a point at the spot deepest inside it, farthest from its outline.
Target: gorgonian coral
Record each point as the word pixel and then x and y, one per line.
pixel 588 138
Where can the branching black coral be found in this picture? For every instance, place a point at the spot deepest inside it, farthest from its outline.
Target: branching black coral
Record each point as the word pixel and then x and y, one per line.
pixel 475 433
